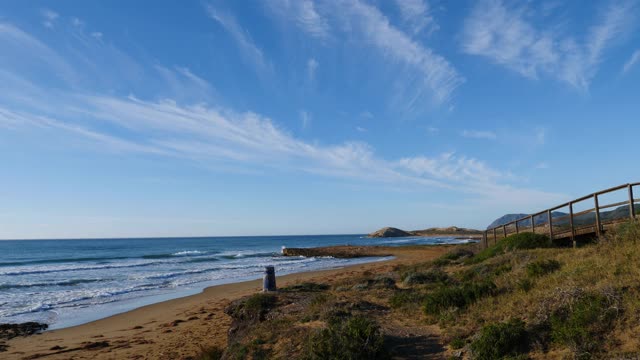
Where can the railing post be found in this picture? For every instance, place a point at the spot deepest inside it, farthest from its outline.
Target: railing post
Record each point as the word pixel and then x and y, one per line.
pixel 598 225
pixel 504 230
pixel 484 239
pixel 517 228
pixel 533 225
pixel 495 237
pixel 573 232
pixel 632 206
pixel 550 224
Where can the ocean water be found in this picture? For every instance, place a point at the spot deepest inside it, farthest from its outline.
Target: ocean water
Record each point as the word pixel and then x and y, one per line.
pixel 70 282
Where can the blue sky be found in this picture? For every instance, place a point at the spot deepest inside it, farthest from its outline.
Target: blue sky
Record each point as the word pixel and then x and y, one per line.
pixel 123 118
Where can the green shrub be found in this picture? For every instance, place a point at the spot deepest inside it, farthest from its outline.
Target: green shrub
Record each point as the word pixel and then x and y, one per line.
pixel 457 254
pixel 502 340
pixel 408 297
pixel 256 306
pixel 457 343
pixel 581 325
pixel 525 284
pixel 427 277
pixel 305 287
pixel 457 296
pixel 542 267
pixel 510 243
pixel 353 338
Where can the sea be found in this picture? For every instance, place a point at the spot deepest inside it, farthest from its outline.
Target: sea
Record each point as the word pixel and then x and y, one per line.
pixel 70 282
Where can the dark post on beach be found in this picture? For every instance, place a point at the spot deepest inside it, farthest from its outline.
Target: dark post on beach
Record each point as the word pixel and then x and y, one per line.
pixel 269 283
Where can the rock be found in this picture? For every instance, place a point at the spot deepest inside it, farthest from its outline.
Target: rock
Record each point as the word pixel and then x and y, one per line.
pixel 388 232
pixel 9 331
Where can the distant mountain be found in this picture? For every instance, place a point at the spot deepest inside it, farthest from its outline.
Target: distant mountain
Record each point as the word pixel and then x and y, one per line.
pixel 539 220
pixel 620 212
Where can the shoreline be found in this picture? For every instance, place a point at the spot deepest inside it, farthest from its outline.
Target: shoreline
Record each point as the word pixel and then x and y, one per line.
pixel 179 327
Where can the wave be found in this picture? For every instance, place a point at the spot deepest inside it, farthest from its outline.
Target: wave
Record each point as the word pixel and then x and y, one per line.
pixel 246 254
pixel 64 260
pixel 60 283
pixel 175 254
pixel 73 268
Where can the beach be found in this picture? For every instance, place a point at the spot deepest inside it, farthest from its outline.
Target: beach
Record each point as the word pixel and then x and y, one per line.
pixel 180 328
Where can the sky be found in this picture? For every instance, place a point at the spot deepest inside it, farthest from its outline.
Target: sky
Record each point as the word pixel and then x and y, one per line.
pixel 222 118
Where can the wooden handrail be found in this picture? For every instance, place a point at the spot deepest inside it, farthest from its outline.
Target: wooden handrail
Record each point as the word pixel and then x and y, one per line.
pixel 550 219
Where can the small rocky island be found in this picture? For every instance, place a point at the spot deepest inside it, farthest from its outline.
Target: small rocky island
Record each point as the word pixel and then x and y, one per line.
pixel 453 231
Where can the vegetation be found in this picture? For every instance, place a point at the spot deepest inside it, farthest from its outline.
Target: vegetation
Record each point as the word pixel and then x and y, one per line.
pixel 502 340
pixel 522 298
pixel 349 339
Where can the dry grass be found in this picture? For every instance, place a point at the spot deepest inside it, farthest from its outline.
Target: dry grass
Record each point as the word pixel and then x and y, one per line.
pixel 567 304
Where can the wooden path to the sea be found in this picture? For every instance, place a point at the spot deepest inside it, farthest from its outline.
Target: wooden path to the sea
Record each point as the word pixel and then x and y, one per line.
pixel 590 222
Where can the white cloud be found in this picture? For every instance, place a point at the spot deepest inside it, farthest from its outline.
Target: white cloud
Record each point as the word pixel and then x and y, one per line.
pixel 542 166
pixel 361 129
pixel 635 57
pixel 478 134
pixel 507 36
pixel 312 66
pixel 97 35
pixel 182 84
pixel 77 22
pixel 50 17
pixel 304 14
pixel 215 135
pixel 27 50
pixel 417 14
pixel 252 53
pixel 305 117
pixel 435 75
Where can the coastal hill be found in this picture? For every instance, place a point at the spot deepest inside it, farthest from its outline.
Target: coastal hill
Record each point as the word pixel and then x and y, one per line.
pixel 435 231
pixel 583 219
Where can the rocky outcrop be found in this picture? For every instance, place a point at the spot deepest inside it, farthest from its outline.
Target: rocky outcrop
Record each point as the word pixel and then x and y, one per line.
pixel 389 232
pixel 345 252
pixel 9 331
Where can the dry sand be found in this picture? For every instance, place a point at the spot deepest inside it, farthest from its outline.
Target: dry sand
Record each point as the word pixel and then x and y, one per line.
pixel 177 329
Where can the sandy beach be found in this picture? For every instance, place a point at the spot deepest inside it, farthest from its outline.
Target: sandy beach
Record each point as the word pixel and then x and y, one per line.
pixel 179 328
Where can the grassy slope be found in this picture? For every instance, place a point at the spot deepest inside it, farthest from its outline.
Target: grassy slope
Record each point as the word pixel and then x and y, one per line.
pixel 523 303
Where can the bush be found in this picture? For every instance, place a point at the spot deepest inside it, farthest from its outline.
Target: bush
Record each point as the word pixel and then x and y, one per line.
pixel 499 341
pixel 305 287
pixel 579 326
pixel 457 343
pixel 352 338
pixel 408 297
pixel 513 242
pixel 542 267
pixel 525 284
pixel 255 307
pixel 427 277
pixel 458 296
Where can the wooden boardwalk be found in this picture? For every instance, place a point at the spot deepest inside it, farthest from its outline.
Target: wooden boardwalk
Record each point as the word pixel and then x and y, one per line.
pixel 570 225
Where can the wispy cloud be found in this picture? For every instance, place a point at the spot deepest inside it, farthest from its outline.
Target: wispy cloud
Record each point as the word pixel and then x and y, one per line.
pixel 633 60
pixel 417 14
pixel 436 76
pixel 506 35
pixel 305 117
pixel 250 51
pixel 50 17
pixel 312 66
pixel 184 85
pixel 304 14
pixel 479 134
pixel 212 134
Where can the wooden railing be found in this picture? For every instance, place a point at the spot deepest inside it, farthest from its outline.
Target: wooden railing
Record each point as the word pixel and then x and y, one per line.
pixel 572 224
